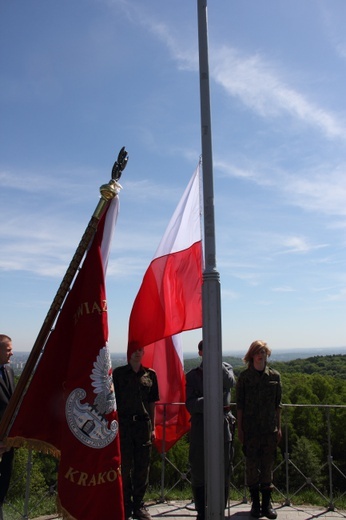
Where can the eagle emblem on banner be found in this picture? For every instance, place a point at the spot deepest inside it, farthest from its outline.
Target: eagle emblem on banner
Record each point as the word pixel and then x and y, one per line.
pixel 87 421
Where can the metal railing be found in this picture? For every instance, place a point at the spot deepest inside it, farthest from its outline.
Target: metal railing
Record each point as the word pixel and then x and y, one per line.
pixel 329 462
pixel 290 479
pixel 288 463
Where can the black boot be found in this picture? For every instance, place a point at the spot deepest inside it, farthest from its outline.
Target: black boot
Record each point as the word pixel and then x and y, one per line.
pixel 255 499
pixel 199 499
pixel 267 509
pixel 226 496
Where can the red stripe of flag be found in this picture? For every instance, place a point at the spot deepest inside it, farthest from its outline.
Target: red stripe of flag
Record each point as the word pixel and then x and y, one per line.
pixel 169 301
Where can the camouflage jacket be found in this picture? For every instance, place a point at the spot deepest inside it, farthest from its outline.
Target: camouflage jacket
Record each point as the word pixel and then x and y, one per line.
pixel 259 397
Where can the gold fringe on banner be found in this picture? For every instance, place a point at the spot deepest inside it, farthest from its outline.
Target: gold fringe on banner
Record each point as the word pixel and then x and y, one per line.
pixel 32 444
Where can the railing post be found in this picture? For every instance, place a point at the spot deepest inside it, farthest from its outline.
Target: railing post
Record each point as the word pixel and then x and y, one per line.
pixel 163 453
pixel 245 483
pixel 287 456
pixel 27 487
pixel 331 506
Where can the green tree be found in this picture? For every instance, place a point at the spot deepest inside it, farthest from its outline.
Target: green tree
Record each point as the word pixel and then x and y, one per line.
pixel 306 464
pixel 23 467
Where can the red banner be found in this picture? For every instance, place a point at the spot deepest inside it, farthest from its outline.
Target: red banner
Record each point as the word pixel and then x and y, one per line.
pixel 69 409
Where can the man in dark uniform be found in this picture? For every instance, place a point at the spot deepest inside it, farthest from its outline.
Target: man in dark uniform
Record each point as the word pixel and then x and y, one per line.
pixel 194 404
pixel 136 391
pixel 6 390
pixel 259 424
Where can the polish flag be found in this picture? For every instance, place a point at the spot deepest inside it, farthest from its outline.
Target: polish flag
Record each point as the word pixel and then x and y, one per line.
pixel 172 418
pixel 169 301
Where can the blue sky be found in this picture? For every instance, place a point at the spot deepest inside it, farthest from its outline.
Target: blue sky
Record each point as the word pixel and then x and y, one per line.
pixel 80 79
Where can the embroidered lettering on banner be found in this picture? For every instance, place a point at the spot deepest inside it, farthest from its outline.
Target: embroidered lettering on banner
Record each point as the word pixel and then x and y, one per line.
pixel 86 308
pixel 94 479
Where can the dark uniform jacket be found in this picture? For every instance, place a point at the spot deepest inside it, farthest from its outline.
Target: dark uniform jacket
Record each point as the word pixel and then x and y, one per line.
pixel 195 400
pixel 134 390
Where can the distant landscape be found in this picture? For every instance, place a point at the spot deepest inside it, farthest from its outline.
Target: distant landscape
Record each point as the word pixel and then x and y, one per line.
pixel 314 417
pixel 286 355
pixel 19 359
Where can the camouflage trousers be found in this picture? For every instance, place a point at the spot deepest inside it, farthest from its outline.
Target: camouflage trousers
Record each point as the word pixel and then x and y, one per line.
pixel 260 452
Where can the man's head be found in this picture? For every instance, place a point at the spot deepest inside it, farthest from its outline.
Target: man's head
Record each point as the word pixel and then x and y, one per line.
pixel 5 349
pixel 136 356
pixel 132 348
pixel 200 348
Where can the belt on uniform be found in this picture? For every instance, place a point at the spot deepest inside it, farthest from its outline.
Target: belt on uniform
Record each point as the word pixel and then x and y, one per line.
pixel 135 418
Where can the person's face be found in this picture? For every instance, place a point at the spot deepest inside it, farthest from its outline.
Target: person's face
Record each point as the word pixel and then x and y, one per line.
pixel 260 357
pixel 5 352
pixel 137 355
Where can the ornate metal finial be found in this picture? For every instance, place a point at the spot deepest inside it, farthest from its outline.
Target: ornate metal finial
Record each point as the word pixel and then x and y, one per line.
pixel 120 164
pixel 111 189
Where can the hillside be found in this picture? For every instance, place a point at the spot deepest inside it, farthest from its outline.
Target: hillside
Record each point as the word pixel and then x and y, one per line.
pixel 329 365
pixel 334 365
pixel 236 362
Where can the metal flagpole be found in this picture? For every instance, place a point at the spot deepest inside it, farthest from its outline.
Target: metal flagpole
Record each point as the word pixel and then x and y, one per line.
pixel 108 192
pixel 212 349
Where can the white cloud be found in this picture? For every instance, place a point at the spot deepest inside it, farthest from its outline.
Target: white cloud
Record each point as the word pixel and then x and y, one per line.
pixel 257 84
pixel 229 295
pixel 253 79
pixel 323 191
pixel 253 172
pixel 283 289
pixel 298 244
pixel 339 295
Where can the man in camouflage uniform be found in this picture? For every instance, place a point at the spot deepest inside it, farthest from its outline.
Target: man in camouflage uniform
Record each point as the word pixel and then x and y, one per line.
pixel 194 404
pixel 136 391
pixel 259 424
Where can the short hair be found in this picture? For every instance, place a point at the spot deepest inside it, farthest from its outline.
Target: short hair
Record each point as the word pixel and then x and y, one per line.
pixel 200 345
pixel 254 348
pixel 4 339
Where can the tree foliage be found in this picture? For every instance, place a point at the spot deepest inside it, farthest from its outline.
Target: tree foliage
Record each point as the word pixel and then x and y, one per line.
pixel 311 385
